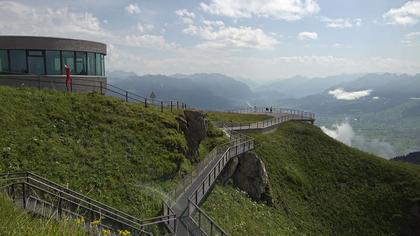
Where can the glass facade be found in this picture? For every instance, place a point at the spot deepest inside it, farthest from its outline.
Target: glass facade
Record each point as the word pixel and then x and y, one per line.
pixel 68 59
pixel 98 64
pixel 91 63
pixel 81 63
pixel 4 61
pixel 51 62
pixel 18 61
pixel 36 61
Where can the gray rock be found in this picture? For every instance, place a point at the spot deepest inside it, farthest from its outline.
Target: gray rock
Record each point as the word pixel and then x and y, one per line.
pixel 251 176
pixel 194 127
pixel 229 170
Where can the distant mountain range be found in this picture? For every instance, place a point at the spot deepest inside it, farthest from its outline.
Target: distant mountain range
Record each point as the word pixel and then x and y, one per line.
pixel 413 157
pixel 369 93
pixel 205 91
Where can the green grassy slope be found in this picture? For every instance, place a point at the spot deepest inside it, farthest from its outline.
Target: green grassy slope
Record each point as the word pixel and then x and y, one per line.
pixel 118 153
pixel 15 222
pixel 321 187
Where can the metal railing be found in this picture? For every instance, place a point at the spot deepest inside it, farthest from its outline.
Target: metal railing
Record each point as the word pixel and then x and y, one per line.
pixel 275 110
pixel 239 144
pixel 48 199
pixel 103 88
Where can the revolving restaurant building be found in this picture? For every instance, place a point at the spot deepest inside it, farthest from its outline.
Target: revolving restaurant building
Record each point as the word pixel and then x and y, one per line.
pixel 39 62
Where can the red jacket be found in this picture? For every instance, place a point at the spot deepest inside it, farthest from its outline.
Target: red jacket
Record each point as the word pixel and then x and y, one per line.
pixel 67 70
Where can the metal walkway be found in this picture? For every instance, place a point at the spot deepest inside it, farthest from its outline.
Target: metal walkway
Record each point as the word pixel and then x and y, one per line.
pixel 191 219
pixel 181 212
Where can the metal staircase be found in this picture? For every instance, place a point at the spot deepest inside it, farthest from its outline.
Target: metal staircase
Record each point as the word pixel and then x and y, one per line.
pixel 47 199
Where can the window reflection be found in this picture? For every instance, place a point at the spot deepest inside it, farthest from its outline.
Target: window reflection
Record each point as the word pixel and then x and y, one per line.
pixel 68 59
pixel 36 62
pixel 53 62
pixel 18 61
pixel 4 62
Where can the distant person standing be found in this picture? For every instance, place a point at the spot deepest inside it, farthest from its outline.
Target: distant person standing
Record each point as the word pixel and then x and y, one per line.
pixel 68 78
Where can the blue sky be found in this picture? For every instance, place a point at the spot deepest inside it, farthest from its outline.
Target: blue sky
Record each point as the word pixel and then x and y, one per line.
pixel 254 39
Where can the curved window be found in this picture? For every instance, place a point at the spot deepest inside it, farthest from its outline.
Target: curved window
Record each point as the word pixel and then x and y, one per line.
pixel 98 64
pixel 81 63
pixel 53 62
pixel 68 59
pixel 36 62
pixel 18 61
pixel 91 63
pixel 4 61
pixel 102 65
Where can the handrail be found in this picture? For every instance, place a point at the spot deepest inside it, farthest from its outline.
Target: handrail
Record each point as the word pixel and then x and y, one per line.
pixel 271 110
pixel 69 196
pixel 82 197
pixel 239 140
pixel 102 87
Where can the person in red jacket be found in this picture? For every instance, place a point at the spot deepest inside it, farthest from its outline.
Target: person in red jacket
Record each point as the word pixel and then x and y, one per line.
pixel 68 78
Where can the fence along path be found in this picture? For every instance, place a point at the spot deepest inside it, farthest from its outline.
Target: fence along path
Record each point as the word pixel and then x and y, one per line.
pixel 191 192
pixel 47 199
pixel 36 81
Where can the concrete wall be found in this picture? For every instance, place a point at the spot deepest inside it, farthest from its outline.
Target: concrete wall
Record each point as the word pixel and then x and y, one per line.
pixel 49 43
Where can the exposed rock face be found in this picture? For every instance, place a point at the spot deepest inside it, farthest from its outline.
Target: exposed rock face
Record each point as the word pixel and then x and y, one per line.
pixel 229 170
pixel 251 176
pixel 194 126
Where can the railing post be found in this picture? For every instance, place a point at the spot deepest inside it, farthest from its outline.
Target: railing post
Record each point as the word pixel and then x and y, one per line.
pixel 171 106
pixel 24 195
pixel 161 106
pixel 177 105
pixel 145 102
pixel 126 96
pixel 59 206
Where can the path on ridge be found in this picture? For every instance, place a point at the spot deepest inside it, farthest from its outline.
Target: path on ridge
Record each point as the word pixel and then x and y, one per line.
pixel 203 183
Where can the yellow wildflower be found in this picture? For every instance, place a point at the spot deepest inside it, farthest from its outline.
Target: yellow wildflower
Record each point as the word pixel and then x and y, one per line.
pixel 124 232
pixel 80 220
pixel 95 222
pixel 106 232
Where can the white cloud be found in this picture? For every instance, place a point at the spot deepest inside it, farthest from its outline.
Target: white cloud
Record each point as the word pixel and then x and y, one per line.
pixel 184 13
pixel 341 94
pixel 14 18
pixel 18 19
pixel 133 8
pixel 344 133
pixel 341 23
pixel 186 16
pixel 307 35
pixel 145 27
pixel 412 39
pixel 407 14
pixel 216 34
pixel 145 41
pixel 289 10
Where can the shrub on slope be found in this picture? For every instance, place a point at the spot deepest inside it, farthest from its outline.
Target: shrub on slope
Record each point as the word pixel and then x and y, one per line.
pixel 322 187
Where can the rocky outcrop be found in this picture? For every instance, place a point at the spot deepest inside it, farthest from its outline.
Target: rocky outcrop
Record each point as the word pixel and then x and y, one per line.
pixel 248 174
pixel 251 176
pixel 194 127
pixel 229 170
